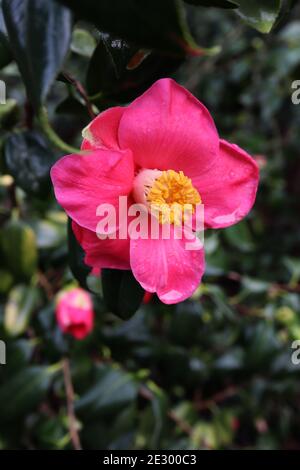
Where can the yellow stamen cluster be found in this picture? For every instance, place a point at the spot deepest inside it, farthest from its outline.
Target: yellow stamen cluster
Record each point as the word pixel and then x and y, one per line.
pixel 173 196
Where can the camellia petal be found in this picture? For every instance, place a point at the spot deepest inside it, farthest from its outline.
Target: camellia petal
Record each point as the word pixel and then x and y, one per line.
pixel 228 188
pixel 107 253
pixel 83 182
pixel 168 128
pixel 102 132
pixel 167 267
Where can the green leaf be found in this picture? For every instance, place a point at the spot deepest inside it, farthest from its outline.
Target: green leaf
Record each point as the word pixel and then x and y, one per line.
pixel 76 258
pixel 262 346
pixel 111 391
pixel 260 14
pixel 122 71
pixel 213 3
pixel 6 281
pixel 28 160
pixel 231 360
pixel 159 407
pixel 49 235
pixel 83 43
pixel 5 52
pixel 122 293
pixel 22 302
pixel 152 24
pixel 39 33
pixel 18 245
pixel 254 286
pixel 19 352
pixel 239 237
pixel 9 113
pixel 23 392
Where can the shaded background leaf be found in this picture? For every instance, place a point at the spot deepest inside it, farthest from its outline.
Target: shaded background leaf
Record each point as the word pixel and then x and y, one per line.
pixel 151 24
pixel 39 34
pixel 28 159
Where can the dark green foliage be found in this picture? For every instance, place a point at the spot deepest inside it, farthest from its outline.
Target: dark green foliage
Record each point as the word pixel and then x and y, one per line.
pixel 39 35
pixel 28 159
pixel 125 69
pixel 122 293
pixel 151 23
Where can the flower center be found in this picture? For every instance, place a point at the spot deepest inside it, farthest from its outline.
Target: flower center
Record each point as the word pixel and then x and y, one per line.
pixel 170 195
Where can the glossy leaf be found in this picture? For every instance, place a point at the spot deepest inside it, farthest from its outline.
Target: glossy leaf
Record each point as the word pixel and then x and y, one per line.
pixel 22 302
pixel 83 43
pixel 28 160
pixel 23 391
pixel 39 33
pixel 260 14
pixel 122 293
pixel 6 281
pixel 19 352
pixel 121 71
pixel 5 52
pixel 9 113
pixel 49 235
pixel 112 390
pixel 18 246
pixel 152 24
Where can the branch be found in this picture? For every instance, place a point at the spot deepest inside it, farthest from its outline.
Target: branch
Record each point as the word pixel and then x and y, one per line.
pixel 70 405
pixel 80 89
pixel 51 134
pixel 217 398
pixel 46 285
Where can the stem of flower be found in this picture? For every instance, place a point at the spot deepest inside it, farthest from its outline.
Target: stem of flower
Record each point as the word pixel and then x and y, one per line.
pixel 51 134
pixel 80 89
pixel 73 429
pixel 96 97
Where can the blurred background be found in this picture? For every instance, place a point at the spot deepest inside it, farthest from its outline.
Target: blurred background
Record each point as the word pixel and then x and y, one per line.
pixel 214 372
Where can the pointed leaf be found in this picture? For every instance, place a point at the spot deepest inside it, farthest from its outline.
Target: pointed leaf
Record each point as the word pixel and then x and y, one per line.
pixel 23 392
pixel 18 247
pixel 22 301
pixel 122 293
pixel 152 24
pixel 39 33
pixel 121 71
pixel 28 160
pixel 112 390
pixel 260 14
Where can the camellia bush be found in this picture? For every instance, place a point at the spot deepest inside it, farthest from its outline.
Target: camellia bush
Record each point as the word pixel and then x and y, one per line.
pixel 130 342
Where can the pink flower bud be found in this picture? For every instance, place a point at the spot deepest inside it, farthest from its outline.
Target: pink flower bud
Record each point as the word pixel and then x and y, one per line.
pixel 74 313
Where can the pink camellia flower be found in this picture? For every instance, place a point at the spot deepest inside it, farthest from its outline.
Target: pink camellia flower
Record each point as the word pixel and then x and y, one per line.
pixel 162 149
pixel 74 312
